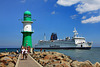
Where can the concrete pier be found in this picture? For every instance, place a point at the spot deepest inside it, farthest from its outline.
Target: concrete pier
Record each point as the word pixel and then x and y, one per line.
pixel 30 62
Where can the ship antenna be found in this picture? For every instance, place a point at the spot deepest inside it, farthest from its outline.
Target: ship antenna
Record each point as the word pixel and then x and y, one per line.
pixel 75 32
pixel 44 37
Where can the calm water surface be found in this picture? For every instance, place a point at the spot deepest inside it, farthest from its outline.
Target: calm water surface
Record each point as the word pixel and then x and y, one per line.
pixel 92 55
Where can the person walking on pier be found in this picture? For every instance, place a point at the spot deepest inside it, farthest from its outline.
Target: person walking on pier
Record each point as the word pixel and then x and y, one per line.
pixel 26 53
pixel 41 50
pixel 23 52
pixel 33 51
pixel 17 52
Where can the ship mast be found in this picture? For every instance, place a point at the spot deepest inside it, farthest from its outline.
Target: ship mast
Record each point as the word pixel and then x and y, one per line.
pixel 75 32
pixel 44 37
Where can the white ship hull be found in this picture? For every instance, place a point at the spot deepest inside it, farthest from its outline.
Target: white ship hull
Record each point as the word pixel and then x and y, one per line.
pixel 62 44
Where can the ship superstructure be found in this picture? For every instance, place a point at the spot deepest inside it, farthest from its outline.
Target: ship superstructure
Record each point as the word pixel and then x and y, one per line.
pixel 75 42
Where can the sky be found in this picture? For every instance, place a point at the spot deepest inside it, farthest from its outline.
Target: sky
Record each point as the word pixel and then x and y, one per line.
pixel 58 16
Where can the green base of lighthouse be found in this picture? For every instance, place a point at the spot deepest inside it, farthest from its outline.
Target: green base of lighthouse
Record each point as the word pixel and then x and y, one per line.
pixel 27 40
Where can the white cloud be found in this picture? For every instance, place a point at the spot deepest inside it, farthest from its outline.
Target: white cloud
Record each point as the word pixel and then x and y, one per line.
pixel 23 1
pixel 83 5
pixel 92 20
pixel 84 17
pixel 73 16
pixel 88 5
pixel 67 2
pixel 53 12
pixel 45 0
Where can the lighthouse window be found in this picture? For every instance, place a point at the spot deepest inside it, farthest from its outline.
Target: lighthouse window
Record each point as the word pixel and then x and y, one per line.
pixel 27 16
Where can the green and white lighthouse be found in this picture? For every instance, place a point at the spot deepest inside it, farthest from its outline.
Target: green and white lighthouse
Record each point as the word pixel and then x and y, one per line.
pixel 27 30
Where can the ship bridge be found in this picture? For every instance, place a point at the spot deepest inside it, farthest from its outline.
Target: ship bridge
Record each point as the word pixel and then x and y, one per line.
pixel 78 39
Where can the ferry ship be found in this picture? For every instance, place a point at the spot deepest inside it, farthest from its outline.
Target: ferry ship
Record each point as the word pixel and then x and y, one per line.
pixel 75 42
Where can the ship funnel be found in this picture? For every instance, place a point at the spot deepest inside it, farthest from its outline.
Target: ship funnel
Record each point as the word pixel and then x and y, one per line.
pixel 53 36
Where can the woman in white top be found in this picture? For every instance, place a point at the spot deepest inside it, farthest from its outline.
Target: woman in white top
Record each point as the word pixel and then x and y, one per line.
pixel 22 51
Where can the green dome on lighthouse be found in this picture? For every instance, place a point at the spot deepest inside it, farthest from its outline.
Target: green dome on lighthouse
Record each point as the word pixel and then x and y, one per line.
pixel 27 13
pixel 27 16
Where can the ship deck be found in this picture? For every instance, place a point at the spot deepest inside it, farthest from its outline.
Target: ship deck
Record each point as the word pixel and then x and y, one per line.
pixel 65 48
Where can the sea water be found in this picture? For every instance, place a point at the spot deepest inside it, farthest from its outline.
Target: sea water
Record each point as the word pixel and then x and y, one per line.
pixel 92 55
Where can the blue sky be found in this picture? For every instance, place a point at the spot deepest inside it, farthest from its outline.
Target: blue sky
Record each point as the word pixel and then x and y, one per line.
pixel 59 16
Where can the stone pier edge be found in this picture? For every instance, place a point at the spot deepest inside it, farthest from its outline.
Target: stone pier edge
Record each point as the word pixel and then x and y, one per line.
pixel 36 61
pixel 18 61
